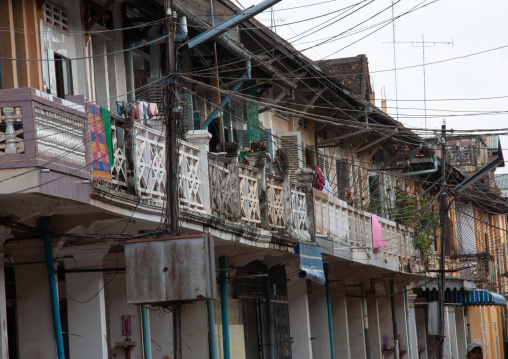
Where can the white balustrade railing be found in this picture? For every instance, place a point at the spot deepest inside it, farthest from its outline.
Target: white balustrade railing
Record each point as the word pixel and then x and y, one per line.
pixel 352 227
pixel 11 133
pixel 221 194
pixel 119 167
pixel 276 207
pixel 249 199
pixel 190 186
pixel 150 162
pixel 298 208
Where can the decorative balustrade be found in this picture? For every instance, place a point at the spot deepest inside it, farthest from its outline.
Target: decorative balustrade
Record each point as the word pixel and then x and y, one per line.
pixel 11 131
pixel 221 195
pixel 119 167
pixel 190 186
pixel 348 226
pixel 276 199
pixel 249 199
pixel 298 207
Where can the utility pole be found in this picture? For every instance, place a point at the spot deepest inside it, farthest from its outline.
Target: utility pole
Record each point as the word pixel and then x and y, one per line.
pixel 171 210
pixel 443 210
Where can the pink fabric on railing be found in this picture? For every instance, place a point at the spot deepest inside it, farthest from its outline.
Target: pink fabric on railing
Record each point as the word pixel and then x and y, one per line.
pixel 378 240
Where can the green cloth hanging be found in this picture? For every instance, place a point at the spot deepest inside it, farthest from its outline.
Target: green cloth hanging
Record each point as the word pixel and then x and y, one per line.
pixel 108 135
pixel 252 111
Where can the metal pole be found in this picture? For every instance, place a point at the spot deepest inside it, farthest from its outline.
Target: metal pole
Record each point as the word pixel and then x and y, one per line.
pixel 147 337
pixel 212 334
pixel 394 322
pixel 368 348
pixel 57 324
pixel 329 308
pixel 442 216
pixel 224 306
pixel 269 317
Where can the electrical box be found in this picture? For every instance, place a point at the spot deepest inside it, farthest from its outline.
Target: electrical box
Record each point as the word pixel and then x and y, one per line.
pixel 170 269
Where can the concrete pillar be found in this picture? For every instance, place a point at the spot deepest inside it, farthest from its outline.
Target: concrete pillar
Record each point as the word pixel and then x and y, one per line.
pixel 8 46
pixel 87 321
pixel 374 329
pixel 232 153
pixel 201 138
pixel 116 64
pixel 34 316
pixel 305 177
pixel 400 309
pixel 421 331
pixel 100 70
pixel 318 313
pixel 460 324
pixel 385 324
pixel 451 336
pixel 356 328
pixel 4 346
pixel 412 325
pixel 259 159
pixel 299 318
pixel 340 320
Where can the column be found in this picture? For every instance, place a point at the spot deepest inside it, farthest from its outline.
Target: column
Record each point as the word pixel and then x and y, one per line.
pixel 100 70
pixel 452 332
pixel 8 46
pixel 201 138
pixel 356 328
pixel 421 331
pixel 116 64
pixel 400 310
pixel 374 330
pixel 259 160
pixel 318 313
pixel 34 316
pixel 87 321
pixel 232 153
pixel 412 325
pixel 299 319
pixel 460 324
pixel 340 320
pixel 195 331
pixel 385 325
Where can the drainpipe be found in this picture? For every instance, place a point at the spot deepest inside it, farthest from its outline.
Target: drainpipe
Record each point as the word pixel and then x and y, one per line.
pixel 269 316
pixel 394 322
pixel 182 31
pixel 329 307
pixel 57 325
pixel 434 160
pixel 212 335
pixel 366 322
pixel 224 306
pixel 408 326
pixel 147 338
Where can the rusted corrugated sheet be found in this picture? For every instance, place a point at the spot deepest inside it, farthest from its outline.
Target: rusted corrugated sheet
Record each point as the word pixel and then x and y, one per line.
pixel 170 269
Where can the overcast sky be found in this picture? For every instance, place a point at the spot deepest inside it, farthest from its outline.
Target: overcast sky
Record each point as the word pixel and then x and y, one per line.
pixel 473 26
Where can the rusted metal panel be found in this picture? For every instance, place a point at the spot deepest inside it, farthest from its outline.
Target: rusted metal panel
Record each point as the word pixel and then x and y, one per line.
pixel 170 269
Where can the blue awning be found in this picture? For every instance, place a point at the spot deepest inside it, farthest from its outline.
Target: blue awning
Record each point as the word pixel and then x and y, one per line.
pixel 311 263
pixel 483 297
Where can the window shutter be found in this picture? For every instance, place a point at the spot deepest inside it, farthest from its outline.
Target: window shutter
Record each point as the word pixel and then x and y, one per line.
pixel 266 135
pixel 342 167
pixel 292 143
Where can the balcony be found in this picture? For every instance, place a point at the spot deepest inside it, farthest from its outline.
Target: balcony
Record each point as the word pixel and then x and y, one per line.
pixel 40 132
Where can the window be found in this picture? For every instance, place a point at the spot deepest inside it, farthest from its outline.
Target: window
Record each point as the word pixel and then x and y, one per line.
pixel 343 189
pixel 55 16
pixel 63 76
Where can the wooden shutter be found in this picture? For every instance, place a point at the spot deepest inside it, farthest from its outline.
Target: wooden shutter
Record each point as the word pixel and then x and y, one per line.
pixel 342 166
pixel 292 143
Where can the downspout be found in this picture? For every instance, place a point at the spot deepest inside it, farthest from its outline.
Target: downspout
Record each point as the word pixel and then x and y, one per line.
pixel 434 160
pixel 57 325
pixel 182 31
pixel 408 326
pixel 212 334
pixel 147 338
pixel 224 306
pixel 269 316
pixel 223 103
pixel 329 308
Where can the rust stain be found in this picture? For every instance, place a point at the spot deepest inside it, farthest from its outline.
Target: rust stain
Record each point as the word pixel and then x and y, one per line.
pixel 166 357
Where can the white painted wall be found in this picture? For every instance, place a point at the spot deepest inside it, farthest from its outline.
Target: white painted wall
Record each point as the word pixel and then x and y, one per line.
pixel 356 329
pixel 461 323
pixel 299 320
pixel 400 315
pixel 374 329
pixel 34 315
pixel 87 321
pixel 318 314
pixel 195 331
pixel 339 319
pixel 421 330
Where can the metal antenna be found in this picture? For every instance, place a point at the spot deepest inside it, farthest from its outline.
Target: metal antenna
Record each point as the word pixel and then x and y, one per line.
pixel 423 44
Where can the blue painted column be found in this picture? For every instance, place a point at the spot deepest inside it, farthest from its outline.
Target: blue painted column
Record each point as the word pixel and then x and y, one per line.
pixel 224 306
pixel 212 334
pixel 57 324
pixel 147 337
pixel 329 307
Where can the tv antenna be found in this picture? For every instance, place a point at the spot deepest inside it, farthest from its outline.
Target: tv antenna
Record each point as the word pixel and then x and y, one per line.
pixel 423 44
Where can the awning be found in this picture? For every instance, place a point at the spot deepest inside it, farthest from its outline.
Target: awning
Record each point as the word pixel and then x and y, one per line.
pixel 483 297
pixel 311 263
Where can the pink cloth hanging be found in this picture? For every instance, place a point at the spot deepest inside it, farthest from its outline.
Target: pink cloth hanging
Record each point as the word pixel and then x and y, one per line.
pixel 378 240
pixel 152 109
